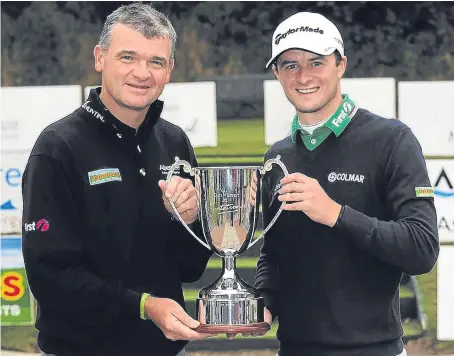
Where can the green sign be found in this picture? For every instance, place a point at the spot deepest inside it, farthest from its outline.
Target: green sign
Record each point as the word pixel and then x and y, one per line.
pixel 18 307
pixel 17 302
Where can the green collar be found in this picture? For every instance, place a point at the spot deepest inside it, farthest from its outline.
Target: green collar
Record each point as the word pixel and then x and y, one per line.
pixel 336 124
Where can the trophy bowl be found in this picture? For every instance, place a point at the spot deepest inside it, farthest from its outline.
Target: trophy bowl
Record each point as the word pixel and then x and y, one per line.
pixel 229 200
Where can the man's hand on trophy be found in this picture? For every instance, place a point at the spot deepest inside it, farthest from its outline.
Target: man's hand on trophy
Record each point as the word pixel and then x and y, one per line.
pixel 305 194
pixel 183 195
pixel 173 321
pixel 268 319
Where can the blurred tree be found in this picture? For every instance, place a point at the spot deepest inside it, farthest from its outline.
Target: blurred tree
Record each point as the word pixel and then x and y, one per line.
pixel 9 67
pixel 50 43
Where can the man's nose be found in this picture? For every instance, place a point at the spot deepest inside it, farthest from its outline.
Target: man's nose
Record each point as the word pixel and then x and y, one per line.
pixel 304 75
pixel 142 72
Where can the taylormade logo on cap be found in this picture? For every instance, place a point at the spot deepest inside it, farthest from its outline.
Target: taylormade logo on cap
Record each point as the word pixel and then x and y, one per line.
pixel 307 31
pixel 293 30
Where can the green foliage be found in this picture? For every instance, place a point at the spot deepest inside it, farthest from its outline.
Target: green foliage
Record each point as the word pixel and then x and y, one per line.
pixel 50 43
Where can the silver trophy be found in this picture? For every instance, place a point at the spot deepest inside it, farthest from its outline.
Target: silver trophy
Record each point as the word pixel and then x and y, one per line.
pixel 229 199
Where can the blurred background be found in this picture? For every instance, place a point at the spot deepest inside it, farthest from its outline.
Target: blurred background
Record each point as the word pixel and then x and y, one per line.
pixel 400 65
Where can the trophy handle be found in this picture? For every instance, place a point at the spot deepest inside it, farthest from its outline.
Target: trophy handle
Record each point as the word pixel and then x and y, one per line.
pixel 188 169
pixel 266 168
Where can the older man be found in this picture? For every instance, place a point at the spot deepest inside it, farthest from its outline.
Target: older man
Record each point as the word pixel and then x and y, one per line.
pixel 111 256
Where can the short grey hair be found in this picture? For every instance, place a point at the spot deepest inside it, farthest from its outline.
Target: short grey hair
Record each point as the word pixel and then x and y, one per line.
pixel 143 18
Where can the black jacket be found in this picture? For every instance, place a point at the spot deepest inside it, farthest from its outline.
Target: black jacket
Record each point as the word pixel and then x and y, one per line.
pixel 108 237
pixel 335 290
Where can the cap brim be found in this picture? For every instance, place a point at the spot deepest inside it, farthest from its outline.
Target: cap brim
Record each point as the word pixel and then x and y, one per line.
pixel 318 51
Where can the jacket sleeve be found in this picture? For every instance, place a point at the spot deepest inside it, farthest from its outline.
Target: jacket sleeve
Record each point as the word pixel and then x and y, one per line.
pixel 409 240
pixel 266 279
pixel 192 257
pixel 59 276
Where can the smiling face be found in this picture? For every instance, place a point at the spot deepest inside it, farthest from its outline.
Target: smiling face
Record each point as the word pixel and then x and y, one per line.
pixel 134 69
pixel 311 82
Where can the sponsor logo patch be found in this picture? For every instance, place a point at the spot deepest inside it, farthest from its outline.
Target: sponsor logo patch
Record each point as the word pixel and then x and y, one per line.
pixel 345 177
pixel 165 169
pixel 104 175
pixel 424 192
pixel 290 31
pixel 42 225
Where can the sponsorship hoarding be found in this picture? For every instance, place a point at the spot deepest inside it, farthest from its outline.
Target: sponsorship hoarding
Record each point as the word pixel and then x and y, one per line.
pixel 17 306
pixel 11 170
pixel 441 174
pixel 427 107
pixel 26 111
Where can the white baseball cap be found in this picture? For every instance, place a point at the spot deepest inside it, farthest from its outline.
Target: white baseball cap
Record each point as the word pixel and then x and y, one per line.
pixel 309 31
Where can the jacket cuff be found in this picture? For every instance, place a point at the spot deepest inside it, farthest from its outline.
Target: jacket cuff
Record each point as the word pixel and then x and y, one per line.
pixel 131 303
pixel 268 296
pixel 356 226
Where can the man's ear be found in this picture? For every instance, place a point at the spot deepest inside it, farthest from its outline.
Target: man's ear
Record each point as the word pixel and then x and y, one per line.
pixel 275 71
pixel 99 54
pixel 171 66
pixel 342 67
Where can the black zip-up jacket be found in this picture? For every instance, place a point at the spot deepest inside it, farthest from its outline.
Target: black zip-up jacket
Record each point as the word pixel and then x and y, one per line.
pixel 96 234
pixel 335 290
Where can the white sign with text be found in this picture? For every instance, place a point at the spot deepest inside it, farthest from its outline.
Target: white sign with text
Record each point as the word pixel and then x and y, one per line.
pixel 11 170
pixel 441 175
pixel 427 108
pixel 26 111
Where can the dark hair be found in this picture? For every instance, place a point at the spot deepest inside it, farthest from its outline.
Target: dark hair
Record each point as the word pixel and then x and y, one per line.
pixel 338 57
pixel 142 18
pixel 336 54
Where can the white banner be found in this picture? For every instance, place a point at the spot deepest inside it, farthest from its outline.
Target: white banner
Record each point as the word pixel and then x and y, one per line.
pixel 377 95
pixel 12 170
pixel 26 111
pixel 445 294
pixel 441 174
pixel 427 108
pixel 192 106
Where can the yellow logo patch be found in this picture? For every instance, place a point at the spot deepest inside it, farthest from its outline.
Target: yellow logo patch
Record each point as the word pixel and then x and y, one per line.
pixel 104 176
pixel 424 192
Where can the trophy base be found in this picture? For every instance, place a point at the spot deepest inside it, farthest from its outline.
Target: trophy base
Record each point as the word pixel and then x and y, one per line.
pixel 234 315
pixel 233 329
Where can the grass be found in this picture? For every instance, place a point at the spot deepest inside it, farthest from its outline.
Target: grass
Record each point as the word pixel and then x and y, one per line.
pixel 406 292
pixel 229 160
pixel 19 338
pixel 236 138
pixel 428 286
pixel 241 262
pixel 412 328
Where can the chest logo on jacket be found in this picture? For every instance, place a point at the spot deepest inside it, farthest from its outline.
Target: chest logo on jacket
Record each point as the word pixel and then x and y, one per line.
pixel 165 169
pixel 345 177
pixel 104 175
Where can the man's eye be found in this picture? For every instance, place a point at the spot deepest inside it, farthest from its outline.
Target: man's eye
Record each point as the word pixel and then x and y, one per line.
pixel 157 63
pixel 290 66
pixel 128 58
pixel 316 64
